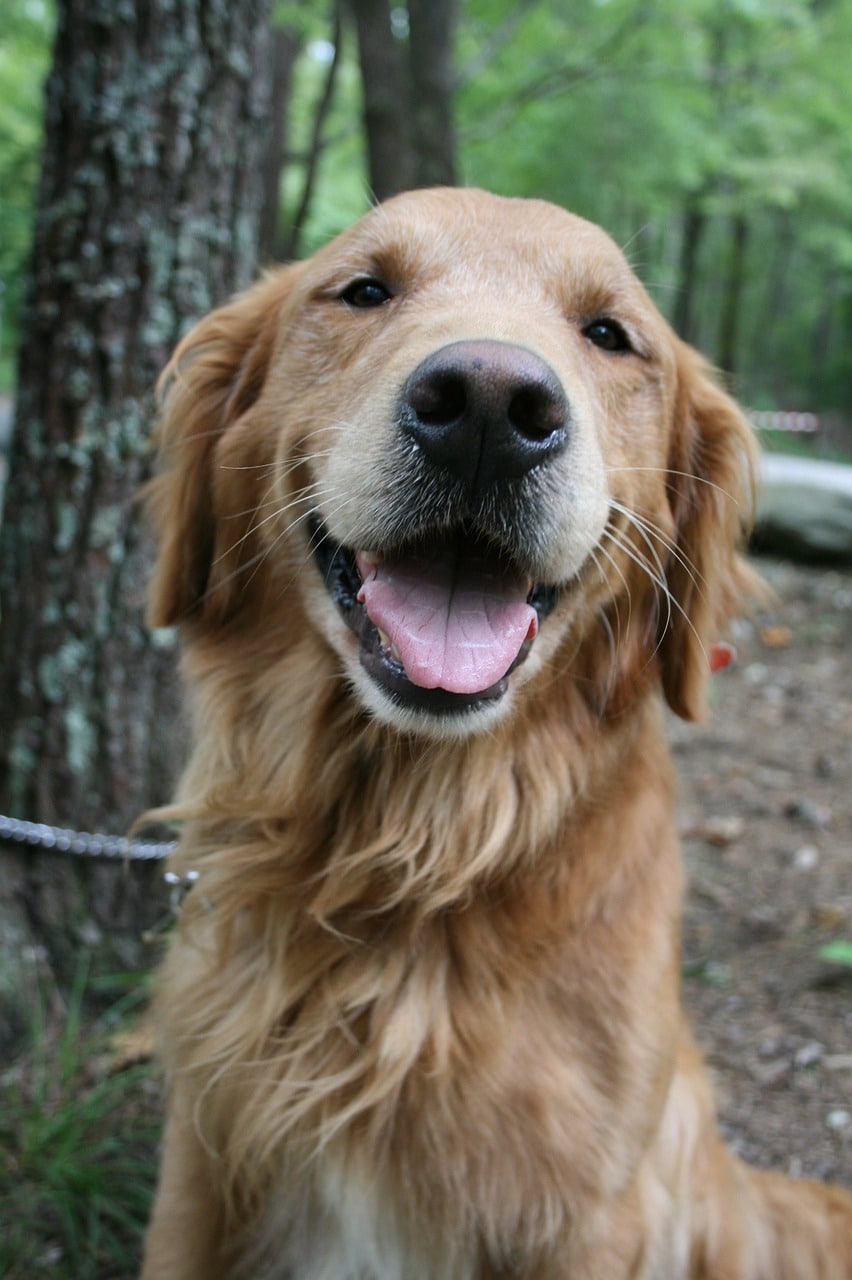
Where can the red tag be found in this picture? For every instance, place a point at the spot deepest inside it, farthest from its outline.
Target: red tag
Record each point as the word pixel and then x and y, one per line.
pixel 721 656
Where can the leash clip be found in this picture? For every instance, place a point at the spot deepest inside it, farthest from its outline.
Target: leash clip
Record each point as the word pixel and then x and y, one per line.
pixel 179 887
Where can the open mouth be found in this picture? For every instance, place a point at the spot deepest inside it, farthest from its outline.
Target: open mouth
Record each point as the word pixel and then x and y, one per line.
pixel 441 624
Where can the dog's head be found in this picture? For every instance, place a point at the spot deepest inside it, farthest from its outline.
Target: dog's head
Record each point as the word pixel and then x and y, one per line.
pixel 462 446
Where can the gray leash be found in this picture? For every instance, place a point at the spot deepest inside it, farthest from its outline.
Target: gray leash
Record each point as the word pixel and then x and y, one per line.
pixel 82 844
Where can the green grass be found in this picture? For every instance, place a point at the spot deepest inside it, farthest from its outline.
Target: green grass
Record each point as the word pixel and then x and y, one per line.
pixel 77 1149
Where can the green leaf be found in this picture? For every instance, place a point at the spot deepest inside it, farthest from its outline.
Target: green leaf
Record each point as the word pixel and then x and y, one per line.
pixel 837 953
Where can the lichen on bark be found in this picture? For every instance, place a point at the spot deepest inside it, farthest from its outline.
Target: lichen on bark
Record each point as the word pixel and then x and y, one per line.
pixel 148 216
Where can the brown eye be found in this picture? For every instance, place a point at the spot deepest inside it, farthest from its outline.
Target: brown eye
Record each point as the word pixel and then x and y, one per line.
pixel 366 292
pixel 608 335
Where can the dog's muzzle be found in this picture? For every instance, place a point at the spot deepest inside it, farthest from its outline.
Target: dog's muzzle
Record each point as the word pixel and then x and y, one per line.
pixel 445 618
pixel 441 627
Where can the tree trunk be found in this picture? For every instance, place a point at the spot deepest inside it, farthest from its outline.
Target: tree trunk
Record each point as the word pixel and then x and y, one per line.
pixel 821 341
pixel 774 300
pixel 147 216
pixel 431 28
pixel 291 243
pixel 408 91
pixel 694 224
pixel 731 314
pixel 286 46
pixel 387 102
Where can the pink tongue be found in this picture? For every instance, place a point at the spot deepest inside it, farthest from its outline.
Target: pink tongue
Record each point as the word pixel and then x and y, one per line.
pixel 455 624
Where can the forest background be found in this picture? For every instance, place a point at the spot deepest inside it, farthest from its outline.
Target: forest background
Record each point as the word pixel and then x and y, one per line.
pixel 712 139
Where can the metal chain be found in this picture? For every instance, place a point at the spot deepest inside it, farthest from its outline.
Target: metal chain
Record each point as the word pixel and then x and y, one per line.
pixel 82 844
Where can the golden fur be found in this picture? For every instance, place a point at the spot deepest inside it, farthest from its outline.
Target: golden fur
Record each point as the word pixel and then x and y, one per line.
pixel 421 1016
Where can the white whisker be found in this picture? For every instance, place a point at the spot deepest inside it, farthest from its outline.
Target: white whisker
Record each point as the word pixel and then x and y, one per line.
pixel 685 475
pixel 658 578
pixel 645 526
pixel 602 550
pixel 308 494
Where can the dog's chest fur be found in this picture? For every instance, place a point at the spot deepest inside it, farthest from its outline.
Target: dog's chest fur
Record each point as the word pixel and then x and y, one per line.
pixel 335 1226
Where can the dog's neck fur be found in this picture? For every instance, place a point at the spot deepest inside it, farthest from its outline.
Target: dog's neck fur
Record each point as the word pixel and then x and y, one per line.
pixel 384 822
pixel 386 877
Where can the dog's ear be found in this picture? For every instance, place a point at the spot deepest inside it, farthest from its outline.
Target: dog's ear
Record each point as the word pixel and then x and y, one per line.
pixel 211 382
pixel 712 469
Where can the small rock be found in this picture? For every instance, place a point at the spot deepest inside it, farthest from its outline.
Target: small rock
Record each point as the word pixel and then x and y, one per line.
pixel 809 1054
pixel 772 1045
pixel 838 1119
pixel 805 810
pixel 806 858
pixel 722 829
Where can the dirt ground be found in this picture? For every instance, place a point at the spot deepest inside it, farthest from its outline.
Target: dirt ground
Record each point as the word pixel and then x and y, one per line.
pixel 766 818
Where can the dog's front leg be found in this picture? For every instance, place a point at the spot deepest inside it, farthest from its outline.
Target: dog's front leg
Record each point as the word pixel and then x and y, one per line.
pixel 184 1240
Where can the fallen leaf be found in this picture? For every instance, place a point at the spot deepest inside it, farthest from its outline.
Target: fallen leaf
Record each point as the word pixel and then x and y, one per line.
pixel 722 829
pixel 828 915
pixel 776 637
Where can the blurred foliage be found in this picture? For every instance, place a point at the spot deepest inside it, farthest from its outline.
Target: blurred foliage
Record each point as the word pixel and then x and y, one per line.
pixel 341 195
pixel 26 34
pixel 79 1130
pixel 733 113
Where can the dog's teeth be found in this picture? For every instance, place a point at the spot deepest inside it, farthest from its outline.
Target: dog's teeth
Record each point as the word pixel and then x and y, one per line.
pixel 389 645
pixel 367 563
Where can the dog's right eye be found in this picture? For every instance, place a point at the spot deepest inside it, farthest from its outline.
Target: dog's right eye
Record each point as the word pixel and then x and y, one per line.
pixel 366 292
pixel 608 335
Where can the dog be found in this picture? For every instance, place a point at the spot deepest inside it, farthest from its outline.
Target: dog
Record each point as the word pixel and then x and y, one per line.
pixel 446 515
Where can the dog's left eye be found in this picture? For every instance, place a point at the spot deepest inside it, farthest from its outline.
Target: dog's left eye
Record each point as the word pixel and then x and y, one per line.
pixel 366 292
pixel 608 335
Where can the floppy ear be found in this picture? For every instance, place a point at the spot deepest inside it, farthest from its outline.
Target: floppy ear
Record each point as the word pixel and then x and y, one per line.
pixel 214 377
pixel 712 468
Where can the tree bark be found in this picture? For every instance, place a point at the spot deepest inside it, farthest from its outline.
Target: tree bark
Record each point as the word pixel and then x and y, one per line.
pixel 430 50
pixel 731 313
pixel 147 216
pixel 821 340
pixel 387 102
pixel 694 224
pixel 286 47
pixel 775 297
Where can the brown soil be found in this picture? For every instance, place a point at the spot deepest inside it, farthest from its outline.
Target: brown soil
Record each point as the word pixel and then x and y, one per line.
pixel 766 817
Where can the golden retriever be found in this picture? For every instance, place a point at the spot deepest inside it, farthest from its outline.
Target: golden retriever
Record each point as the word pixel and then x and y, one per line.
pixel 446 514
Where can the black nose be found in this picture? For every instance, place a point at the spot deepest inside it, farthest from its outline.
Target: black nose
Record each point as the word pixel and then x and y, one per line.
pixel 485 411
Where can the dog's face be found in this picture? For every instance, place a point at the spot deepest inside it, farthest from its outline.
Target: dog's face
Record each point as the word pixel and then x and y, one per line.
pixel 465 437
